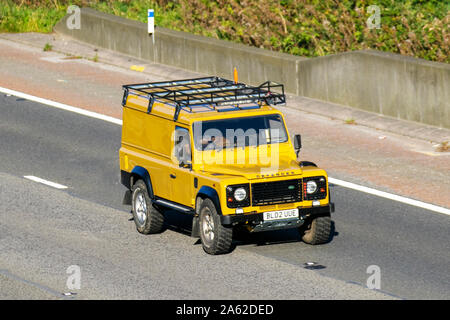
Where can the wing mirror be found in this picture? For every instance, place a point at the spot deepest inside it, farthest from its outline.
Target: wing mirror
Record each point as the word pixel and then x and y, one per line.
pixel 297 143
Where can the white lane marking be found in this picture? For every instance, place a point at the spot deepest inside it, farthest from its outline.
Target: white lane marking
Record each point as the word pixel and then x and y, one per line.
pixel 342 183
pixel 46 182
pixel 390 196
pixel 61 106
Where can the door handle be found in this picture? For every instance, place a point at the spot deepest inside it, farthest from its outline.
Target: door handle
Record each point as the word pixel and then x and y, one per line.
pixel 173 176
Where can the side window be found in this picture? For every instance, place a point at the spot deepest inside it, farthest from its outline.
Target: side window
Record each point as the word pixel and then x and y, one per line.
pixel 182 145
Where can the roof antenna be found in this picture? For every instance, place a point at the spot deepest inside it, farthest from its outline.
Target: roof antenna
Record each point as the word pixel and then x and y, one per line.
pixel 235 75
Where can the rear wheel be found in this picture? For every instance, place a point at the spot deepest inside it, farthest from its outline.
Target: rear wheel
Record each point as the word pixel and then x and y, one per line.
pixel 216 239
pixel 147 218
pixel 316 230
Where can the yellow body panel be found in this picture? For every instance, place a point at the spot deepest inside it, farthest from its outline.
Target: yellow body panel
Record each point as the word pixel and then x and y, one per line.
pixel 148 141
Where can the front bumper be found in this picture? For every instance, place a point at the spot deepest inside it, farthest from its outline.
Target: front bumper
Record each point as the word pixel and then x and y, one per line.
pixel 256 220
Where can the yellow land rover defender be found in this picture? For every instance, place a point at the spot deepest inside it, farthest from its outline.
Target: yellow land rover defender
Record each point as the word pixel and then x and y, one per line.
pixel 216 149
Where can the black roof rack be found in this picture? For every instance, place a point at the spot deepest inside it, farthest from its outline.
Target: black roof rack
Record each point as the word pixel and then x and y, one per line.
pixel 206 94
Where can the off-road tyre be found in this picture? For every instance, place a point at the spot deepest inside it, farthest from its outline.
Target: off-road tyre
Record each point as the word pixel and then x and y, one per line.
pixel 148 219
pixel 316 230
pixel 222 237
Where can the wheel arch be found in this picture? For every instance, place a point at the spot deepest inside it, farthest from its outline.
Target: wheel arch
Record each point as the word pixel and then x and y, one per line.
pixel 207 192
pixel 307 164
pixel 141 173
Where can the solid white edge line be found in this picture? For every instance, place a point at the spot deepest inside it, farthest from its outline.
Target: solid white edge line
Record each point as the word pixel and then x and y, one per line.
pixel 46 182
pixel 390 196
pixel 338 182
pixel 61 106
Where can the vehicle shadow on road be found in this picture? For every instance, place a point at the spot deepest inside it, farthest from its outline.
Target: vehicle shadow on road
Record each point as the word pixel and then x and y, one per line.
pixel 241 237
pixel 178 222
pixel 244 238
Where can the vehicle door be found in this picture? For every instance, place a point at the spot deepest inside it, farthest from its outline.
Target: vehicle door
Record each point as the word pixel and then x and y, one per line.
pixel 181 178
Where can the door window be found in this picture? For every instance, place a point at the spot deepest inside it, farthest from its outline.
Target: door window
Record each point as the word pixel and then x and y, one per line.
pixel 182 148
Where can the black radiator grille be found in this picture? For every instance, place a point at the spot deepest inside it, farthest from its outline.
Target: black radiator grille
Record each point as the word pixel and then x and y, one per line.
pixel 276 192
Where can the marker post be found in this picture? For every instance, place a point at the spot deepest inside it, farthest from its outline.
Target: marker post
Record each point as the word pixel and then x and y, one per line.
pixel 151 29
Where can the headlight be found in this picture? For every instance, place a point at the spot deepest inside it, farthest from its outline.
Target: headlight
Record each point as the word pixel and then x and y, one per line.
pixel 314 188
pixel 240 194
pixel 311 187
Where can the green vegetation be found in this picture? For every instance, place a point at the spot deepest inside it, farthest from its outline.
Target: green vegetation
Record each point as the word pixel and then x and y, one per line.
pixel 48 47
pixel 350 121
pixel 23 16
pixel 419 28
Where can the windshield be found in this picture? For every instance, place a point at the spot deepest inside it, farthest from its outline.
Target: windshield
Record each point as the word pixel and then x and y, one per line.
pixel 239 132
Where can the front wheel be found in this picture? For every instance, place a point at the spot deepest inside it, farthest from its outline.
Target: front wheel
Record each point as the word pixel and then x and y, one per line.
pixel 147 218
pixel 216 239
pixel 316 230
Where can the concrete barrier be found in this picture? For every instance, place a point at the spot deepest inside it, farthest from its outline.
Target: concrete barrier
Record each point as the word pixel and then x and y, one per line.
pixel 217 57
pixel 385 83
pixel 390 84
pixel 184 50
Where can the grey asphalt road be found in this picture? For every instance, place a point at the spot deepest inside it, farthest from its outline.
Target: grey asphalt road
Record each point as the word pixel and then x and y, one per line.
pixel 44 230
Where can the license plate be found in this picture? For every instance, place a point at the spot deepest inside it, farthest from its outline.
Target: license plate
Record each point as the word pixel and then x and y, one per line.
pixel 280 214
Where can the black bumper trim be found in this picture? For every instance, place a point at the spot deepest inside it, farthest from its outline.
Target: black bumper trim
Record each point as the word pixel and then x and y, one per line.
pixel 125 178
pixel 233 219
